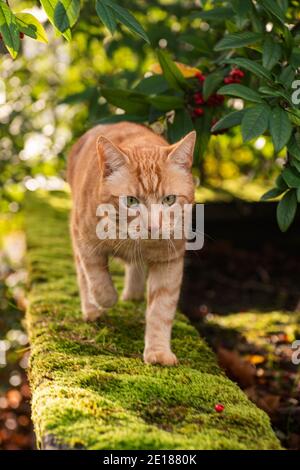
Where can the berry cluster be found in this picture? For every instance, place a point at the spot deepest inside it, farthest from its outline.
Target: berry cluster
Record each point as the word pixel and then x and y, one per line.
pixel 235 76
pixel 197 102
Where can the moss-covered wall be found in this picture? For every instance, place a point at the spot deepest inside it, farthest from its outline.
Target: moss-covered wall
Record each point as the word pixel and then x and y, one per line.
pixel 90 387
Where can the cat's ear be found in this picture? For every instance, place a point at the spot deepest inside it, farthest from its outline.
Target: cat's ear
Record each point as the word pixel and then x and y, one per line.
pixel 181 153
pixel 111 158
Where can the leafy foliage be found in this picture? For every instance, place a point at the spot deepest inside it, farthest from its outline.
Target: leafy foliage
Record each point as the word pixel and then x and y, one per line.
pixel 236 63
pixel 254 58
pixel 63 14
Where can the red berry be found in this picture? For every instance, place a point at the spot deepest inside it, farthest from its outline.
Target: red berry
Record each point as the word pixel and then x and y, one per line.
pixel 200 76
pixel 219 408
pixel 215 100
pixel 211 101
pixel 198 112
pixel 21 35
pixel 220 99
pixel 232 79
pixel 0 37
pixel 237 73
pixel 234 76
pixel 198 98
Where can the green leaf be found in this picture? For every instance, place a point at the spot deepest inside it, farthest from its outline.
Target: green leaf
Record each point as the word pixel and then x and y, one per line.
pixel 66 13
pixel 181 125
pixel 30 26
pixel 49 7
pixel 240 91
pixel 211 83
pixel 216 14
pixel 120 118
pixel 171 72
pixel 293 148
pixel 271 53
pixel 202 127
pixel 230 120
pixel 235 40
pixel 283 4
pixel 165 102
pixel 295 164
pixel 242 7
pixel 106 15
pixel 67 34
pixel 9 30
pixel 287 76
pixel 292 177
pixel 298 194
pixel 257 22
pixel 266 90
pixel 152 85
pixel 286 210
pixel 294 116
pixel 272 194
pixel 272 7
pixel 295 57
pixel 199 44
pixel 127 19
pixel 288 40
pixel 280 183
pixel 81 96
pixel 280 128
pixel 255 121
pixel 252 66
pixel 131 101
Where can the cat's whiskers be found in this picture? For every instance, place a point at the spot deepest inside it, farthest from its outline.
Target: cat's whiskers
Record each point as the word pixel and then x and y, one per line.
pixel 172 246
pixel 141 258
pixel 119 246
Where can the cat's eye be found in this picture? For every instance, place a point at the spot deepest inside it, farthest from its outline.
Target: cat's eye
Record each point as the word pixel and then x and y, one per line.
pixel 131 201
pixel 169 200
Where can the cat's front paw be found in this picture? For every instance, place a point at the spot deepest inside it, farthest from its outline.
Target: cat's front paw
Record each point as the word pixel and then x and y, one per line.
pixel 93 314
pixel 103 298
pixel 163 357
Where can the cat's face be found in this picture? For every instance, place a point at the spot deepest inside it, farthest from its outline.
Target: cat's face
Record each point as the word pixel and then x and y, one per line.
pixel 153 183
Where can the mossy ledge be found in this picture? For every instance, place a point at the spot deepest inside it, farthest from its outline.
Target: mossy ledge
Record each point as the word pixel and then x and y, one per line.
pixel 90 387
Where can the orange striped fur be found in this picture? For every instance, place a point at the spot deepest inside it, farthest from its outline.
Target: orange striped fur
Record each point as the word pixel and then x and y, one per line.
pixel 128 159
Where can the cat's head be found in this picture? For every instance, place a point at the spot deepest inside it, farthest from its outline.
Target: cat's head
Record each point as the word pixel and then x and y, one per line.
pixel 156 178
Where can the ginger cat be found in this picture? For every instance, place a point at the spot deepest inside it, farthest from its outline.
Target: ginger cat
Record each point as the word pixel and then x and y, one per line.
pixel 130 162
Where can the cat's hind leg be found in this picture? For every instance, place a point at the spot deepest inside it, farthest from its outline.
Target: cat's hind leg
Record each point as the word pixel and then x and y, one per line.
pixel 135 278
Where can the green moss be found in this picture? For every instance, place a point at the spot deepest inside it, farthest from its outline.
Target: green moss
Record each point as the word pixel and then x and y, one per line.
pixel 90 386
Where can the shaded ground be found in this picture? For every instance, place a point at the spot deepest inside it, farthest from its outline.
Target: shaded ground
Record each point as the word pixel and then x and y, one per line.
pixel 242 290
